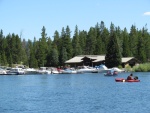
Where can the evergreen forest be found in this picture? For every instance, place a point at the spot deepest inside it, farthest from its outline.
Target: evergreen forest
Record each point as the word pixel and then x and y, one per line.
pixel 112 42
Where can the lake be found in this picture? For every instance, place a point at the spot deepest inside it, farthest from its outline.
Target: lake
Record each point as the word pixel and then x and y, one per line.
pixel 74 93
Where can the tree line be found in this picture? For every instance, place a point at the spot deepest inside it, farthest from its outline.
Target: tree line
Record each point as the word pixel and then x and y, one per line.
pixel 98 40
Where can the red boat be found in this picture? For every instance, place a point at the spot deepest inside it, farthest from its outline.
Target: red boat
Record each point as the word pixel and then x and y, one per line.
pixel 125 80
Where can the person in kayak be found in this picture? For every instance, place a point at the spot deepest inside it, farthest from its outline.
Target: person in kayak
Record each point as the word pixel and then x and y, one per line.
pixel 136 78
pixel 130 77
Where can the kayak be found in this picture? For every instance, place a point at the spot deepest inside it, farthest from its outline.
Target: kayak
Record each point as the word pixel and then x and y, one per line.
pixel 125 80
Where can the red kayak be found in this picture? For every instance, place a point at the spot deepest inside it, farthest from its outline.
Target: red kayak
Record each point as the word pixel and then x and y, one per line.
pixel 125 80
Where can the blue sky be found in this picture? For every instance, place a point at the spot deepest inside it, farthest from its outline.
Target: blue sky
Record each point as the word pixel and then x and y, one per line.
pixel 27 17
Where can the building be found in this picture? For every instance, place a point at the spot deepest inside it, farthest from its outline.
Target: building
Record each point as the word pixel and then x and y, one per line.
pixel 94 60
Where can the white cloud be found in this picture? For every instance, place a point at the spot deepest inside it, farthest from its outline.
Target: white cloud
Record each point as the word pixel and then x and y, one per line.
pixel 147 13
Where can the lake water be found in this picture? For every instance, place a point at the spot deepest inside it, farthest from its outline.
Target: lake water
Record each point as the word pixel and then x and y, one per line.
pixel 74 93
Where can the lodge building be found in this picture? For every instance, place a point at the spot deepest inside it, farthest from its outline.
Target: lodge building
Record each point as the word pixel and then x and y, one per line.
pixel 95 60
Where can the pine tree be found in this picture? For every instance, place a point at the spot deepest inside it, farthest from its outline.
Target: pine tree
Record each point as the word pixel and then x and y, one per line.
pixel 146 37
pixel 68 43
pixel 119 38
pixel 14 48
pixel 125 45
pixel 63 56
pixel 31 54
pixel 42 50
pixel 105 39
pixel 141 55
pixel 82 41
pixel 19 50
pixel 54 57
pixel 2 49
pixel 75 43
pixel 65 42
pixel 57 41
pixel 8 50
pixel 23 53
pixel 113 55
pixel 3 60
pixel 49 52
pixel 133 40
pixel 91 41
pixel 98 46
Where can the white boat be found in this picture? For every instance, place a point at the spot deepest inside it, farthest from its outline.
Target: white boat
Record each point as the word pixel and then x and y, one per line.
pixel 118 70
pixel 30 71
pixel 69 71
pixel 43 70
pixel 16 71
pixel 66 71
pixel 55 71
pixel 101 69
pixel 2 71
pixel 86 69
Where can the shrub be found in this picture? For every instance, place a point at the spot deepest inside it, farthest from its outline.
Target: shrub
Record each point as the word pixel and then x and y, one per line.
pixel 142 68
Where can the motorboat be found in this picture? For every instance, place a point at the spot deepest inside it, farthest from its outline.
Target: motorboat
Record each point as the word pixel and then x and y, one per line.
pixel 30 71
pixel 86 69
pixel 101 69
pixel 118 70
pixel 43 70
pixel 16 71
pixel 2 71
pixel 55 71
pixel 69 71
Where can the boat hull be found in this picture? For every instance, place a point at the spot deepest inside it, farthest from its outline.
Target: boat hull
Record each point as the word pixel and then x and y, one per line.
pixel 125 80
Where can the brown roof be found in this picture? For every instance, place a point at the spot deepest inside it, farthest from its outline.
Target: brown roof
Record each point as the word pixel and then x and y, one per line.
pixel 98 58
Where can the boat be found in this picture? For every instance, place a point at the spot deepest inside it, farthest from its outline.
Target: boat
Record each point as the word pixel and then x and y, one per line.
pixel 2 71
pixel 118 70
pixel 30 71
pixel 43 70
pixel 55 70
pixel 86 69
pixel 69 71
pixel 101 69
pixel 125 80
pixel 16 71
pixel 66 71
pixel 111 73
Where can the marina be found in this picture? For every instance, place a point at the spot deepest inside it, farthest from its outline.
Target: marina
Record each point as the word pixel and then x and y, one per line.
pixel 53 70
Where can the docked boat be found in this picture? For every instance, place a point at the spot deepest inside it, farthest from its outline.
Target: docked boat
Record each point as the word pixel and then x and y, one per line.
pixel 2 71
pixel 55 71
pixel 16 71
pixel 43 70
pixel 69 71
pixel 125 80
pixel 118 70
pixel 101 69
pixel 30 71
pixel 66 71
pixel 86 69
